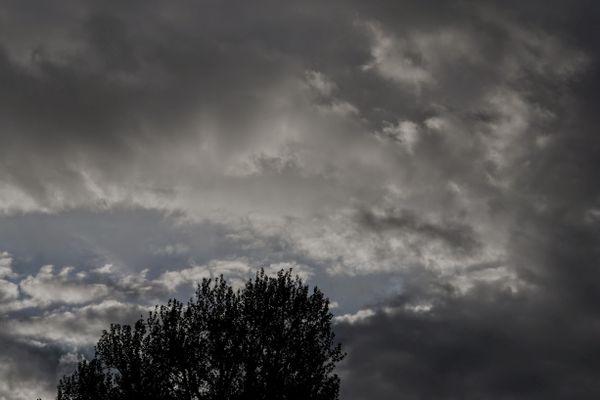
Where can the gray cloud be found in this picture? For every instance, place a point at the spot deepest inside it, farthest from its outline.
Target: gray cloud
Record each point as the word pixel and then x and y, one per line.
pixel 26 370
pixel 491 344
pixel 457 236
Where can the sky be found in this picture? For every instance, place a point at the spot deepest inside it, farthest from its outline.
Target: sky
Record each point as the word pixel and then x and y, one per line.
pixel 432 166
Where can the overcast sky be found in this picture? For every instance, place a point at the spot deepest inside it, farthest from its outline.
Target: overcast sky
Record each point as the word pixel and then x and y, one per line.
pixel 433 166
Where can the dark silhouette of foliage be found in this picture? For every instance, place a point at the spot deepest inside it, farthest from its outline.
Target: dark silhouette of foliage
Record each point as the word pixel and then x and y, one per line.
pixel 272 339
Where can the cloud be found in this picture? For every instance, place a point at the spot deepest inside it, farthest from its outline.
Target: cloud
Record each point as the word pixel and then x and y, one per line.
pixel 357 317
pixel 457 236
pixel 83 303
pixel 8 290
pixel 404 132
pixel 489 343
pixel 237 272
pixel 48 287
pixel 6 265
pixel 26 371
pixel 431 164
pixel 57 315
pixel 185 129
pixel 392 59
pixel 78 327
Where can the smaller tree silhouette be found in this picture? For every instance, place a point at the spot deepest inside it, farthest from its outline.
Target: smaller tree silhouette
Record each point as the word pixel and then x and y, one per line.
pixel 271 339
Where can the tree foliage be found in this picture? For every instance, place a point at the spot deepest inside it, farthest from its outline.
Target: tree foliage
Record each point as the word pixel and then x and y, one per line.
pixel 271 339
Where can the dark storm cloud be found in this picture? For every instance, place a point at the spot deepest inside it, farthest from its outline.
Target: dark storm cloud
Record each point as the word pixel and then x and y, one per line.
pixel 457 236
pixel 541 341
pixel 36 352
pixel 27 370
pixel 490 344
pixel 118 83
pixel 555 242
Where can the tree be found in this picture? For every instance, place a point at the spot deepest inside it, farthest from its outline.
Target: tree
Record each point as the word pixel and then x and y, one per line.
pixel 271 339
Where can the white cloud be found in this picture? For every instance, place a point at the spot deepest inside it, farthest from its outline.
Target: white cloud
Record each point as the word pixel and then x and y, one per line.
pixel 49 287
pixel 6 265
pixel 75 327
pixel 237 272
pixel 172 279
pixel 105 269
pixel 320 83
pixel 357 317
pixel 303 271
pixel 8 292
pixel 404 132
pixel 395 59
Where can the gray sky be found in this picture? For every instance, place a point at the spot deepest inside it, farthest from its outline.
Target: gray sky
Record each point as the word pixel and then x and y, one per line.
pixel 433 166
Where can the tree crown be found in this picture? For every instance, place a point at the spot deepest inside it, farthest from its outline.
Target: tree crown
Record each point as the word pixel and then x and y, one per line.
pixel 270 339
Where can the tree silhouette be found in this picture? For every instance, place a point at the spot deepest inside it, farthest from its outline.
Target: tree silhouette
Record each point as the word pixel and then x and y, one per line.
pixel 272 339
